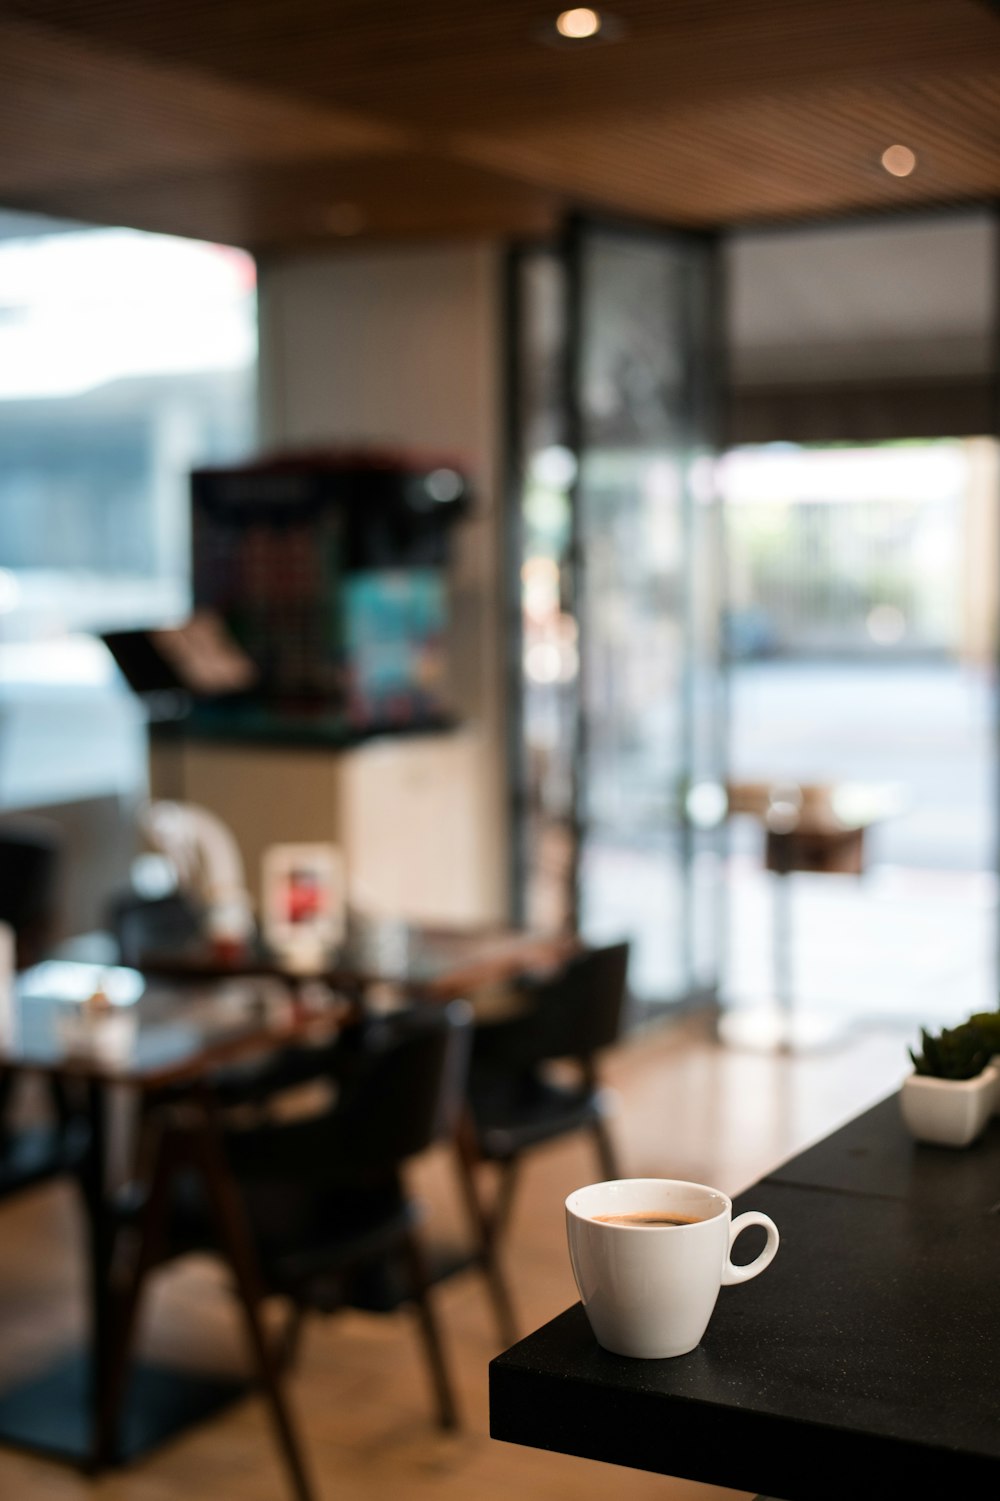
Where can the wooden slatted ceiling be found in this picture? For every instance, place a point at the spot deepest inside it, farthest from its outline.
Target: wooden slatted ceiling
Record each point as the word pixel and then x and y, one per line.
pixel 810 151
pixel 307 204
pixel 252 122
pixel 72 112
pixel 455 63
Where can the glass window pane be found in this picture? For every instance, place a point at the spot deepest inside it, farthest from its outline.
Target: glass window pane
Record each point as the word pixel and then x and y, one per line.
pixel 126 359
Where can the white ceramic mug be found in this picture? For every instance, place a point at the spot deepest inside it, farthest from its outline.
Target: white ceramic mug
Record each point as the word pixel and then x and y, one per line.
pixel 649 1291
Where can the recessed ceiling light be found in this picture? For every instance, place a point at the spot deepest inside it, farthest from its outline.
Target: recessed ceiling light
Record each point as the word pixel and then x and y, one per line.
pixel 579 23
pixel 579 28
pixel 899 160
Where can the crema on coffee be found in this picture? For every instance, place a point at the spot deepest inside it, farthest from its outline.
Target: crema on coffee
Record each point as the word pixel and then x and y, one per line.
pixel 648 1219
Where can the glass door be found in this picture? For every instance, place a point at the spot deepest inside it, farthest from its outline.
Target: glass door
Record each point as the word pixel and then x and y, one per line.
pixel 622 733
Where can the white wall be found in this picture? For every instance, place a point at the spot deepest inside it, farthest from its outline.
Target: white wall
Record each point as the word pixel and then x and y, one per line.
pixel 401 347
pixel 866 300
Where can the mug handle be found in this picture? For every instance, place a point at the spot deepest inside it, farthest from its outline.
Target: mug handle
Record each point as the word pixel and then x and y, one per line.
pixel 732 1274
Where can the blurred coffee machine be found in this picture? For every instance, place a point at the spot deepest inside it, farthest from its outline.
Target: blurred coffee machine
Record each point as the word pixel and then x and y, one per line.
pixel 330 572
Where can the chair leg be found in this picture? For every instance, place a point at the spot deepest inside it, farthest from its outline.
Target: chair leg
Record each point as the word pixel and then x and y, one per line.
pixel 126 1293
pixel 291 1337
pixel 505 1193
pixel 198 1148
pixel 60 1102
pixel 430 1334
pixel 235 1238
pixel 6 1079
pixel 606 1153
pixel 484 1231
pixel 499 1293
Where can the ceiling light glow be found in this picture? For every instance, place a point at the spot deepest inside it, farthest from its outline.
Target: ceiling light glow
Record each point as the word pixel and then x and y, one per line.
pixel 579 23
pixel 899 160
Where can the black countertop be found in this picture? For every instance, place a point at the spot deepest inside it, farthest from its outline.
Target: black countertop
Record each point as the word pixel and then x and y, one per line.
pixel 875 1154
pixel 253 723
pixel 872 1341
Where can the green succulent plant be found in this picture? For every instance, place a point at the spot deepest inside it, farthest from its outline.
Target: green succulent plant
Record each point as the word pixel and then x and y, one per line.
pixel 988 1023
pixel 955 1053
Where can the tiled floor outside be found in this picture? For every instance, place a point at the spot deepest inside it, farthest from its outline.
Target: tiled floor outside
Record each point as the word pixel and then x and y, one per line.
pixel 914 939
pixel 895 945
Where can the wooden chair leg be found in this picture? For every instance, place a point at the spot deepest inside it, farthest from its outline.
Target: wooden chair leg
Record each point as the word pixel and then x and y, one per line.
pixel 199 1147
pixel 499 1292
pixel 126 1291
pixel 60 1103
pixel 484 1231
pixel 6 1080
pixel 468 1160
pixel 430 1333
pixel 505 1194
pixel 235 1238
pixel 291 1336
pixel 606 1153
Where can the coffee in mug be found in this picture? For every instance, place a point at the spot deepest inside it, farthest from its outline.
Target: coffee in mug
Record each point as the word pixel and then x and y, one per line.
pixel 649 1256
pixel 649 1219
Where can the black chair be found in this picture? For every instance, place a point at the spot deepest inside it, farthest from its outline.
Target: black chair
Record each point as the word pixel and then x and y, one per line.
pixel 31 1155
pixel 321 1198
pixel 35 1153
pixel 514 1101
pixel 256 1088
pixel 29 867
pixel 147 925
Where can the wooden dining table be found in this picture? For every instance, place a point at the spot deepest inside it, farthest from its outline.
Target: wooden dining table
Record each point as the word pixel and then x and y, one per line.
pixel 157 1040
pixel 160 1034
pixel 425 961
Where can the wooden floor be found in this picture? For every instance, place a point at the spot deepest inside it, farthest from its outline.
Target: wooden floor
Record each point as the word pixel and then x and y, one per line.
pixel 688 1109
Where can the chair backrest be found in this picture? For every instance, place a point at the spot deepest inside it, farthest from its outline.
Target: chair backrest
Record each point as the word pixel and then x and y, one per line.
pixel 153 925
pixel 29 863
pixel 572 1014
pixel 400 1086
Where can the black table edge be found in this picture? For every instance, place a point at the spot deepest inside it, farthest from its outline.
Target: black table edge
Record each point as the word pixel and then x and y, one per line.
pixel 746 1450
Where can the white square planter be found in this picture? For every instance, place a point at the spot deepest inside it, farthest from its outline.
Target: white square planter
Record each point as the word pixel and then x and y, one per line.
pixel 949 1112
